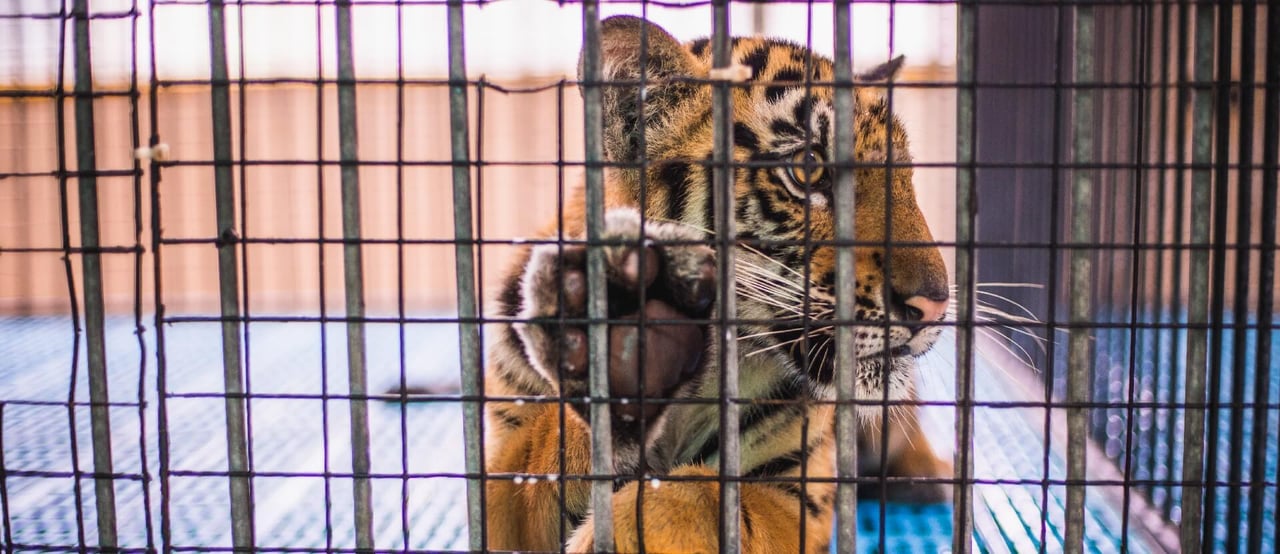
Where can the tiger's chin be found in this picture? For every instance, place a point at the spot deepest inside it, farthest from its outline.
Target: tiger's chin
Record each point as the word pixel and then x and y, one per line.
pixel 878 388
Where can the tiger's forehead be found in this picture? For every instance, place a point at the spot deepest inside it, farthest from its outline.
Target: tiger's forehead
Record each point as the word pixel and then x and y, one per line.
pixel 776 64
pixel 772 59
pixel 788 94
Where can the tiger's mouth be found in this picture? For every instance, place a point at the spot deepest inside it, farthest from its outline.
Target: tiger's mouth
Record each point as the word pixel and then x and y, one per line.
pixel 900 351
pixel 803 325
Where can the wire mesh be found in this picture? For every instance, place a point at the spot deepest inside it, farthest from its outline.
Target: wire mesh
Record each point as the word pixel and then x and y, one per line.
pixel 1124 157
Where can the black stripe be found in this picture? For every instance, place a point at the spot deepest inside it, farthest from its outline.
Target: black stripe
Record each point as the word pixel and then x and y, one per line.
pixel 824 127
pixel 710 208
pixel 803 109
pixel 782 128
pixel 774 93
pixel 794 489
pixel 510 299
pixel 699 46
pixel 756 60
pixel 708 448
pixel 743 136
pixel 787 389
pixel 778 465
pixel 675 175
pixel 511 421
pixel 574 519
pixel 765 200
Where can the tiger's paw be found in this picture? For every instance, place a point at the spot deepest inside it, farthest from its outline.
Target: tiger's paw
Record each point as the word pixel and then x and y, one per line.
pixel 662 284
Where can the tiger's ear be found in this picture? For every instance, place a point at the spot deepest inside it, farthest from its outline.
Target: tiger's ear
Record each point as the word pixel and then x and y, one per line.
pixel 887 71
pixel 666 59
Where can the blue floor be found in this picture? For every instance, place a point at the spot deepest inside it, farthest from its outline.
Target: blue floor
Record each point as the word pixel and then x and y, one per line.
pixel 46 510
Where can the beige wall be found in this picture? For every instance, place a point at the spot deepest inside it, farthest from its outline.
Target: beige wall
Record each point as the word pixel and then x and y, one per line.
pixel 282 199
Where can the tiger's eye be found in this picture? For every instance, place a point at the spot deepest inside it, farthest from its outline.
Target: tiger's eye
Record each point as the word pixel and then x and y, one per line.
pixel 806 168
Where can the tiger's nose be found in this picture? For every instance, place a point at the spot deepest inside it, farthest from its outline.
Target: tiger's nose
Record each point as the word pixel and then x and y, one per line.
pixel 918 310
pixel 925 309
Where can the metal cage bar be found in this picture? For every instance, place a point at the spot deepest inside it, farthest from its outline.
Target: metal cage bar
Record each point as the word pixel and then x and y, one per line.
pixel 162 369
pixel 597 297
pixel 722 175
pixel 1079 359
pixel 966 273
pixel 139 257
pixel 353 280
pixel 1221 175
pixel 846 290
pixel 1193 454
pixel 464 255
pixel 242 532
pixel 1244 194
pixel 1266 279
pixel 91 263
pixel 6 518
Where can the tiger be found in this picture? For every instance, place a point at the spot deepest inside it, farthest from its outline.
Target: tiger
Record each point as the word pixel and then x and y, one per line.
pixel 658 224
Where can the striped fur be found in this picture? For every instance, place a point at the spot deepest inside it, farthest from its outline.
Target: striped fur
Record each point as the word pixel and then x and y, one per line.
pixel 785 274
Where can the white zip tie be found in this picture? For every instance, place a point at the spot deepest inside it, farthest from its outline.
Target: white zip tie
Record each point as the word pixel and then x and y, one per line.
pixel 737 73
pixel 157 153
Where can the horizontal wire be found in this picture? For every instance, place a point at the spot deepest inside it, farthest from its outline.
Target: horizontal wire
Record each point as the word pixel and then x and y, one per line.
pixel 1144 247
pixel 624 83
pixel 998 323
pixel 675 4
pixel 739 164
pixel 619 399
pixel 687 478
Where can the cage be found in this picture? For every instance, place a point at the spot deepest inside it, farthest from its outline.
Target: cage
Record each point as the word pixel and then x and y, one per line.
pixel 254 253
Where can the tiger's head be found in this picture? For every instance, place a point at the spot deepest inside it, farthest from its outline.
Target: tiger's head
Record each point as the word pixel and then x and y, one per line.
pixel 783 140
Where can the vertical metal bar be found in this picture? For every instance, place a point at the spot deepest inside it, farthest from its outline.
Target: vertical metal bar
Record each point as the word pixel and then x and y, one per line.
pixel 135 115
pixel 64 220
pixel 228 289
pixel 91 264
pixel 1266 281
pixel 402 354
pixel 560 205
pixel 464 252
pixel 7 520
pixel 321 290
pixel 353 280
pixel 1138 271
pixel 1182 99
pixel 1055 200
pixel 966 210
pixel 846 290
pixel 1162 381
pixel 246 308
pixel 642 344
pixel 597 299
pixel 1193 451
pixel 1221 125
pixel 157 233
pixel 1079 362
pixel 806 305
pixel 726 234
pixel 1240 332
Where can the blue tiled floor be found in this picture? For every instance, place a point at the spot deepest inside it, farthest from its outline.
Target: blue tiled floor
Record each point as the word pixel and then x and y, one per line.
pixel 289 445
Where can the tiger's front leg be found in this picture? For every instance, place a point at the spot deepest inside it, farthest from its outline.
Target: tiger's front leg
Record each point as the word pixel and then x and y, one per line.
pixel 684 515
pixel 656 273
pixel 647 278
